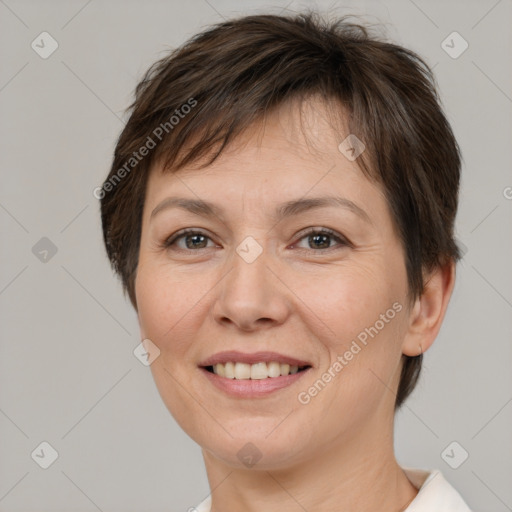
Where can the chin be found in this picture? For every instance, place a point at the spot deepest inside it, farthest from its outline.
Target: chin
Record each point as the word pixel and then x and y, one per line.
pixel 254 455
pixel 261 444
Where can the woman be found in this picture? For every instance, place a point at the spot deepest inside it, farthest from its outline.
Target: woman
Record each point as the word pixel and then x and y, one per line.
pixel 280 210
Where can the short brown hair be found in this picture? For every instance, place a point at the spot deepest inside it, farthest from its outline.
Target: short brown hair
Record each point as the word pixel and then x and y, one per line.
pixel 237 71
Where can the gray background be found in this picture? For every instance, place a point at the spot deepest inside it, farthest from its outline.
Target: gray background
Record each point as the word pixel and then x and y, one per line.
pixel 68 375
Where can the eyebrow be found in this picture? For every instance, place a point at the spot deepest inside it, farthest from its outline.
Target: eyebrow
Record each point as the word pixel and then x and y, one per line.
pixel 288 209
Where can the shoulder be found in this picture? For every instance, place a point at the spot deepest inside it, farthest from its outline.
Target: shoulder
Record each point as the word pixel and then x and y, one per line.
pixel 434 492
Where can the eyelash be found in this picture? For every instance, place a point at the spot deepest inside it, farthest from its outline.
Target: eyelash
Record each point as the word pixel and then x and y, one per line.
pixel 343 242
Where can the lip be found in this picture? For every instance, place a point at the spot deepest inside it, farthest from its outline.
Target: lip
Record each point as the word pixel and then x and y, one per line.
pixel 248 388
pixel 235 356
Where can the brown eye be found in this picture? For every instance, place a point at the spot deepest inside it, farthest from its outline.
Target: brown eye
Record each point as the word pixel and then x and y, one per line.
pixel 193 240
pixel 322 238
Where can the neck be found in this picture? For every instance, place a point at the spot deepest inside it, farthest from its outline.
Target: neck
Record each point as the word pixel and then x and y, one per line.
pixel 359 475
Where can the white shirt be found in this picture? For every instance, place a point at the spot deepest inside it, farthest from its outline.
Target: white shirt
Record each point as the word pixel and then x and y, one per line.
pixel 435 494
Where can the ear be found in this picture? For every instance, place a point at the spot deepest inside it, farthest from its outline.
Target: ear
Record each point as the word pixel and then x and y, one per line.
pixel 427 313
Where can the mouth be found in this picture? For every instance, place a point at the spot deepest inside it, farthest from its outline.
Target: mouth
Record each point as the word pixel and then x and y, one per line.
pixel 242 375
pixel 257 371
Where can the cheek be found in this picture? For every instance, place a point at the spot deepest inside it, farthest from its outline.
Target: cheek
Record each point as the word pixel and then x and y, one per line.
pixel 361 311
pixel 170 305
pixel 348 300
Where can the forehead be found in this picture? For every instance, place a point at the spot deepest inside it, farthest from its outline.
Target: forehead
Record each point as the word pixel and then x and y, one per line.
pixel 309 128
pixel 291 152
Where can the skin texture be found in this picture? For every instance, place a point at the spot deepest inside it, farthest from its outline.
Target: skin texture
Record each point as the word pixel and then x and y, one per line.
pixel 297 298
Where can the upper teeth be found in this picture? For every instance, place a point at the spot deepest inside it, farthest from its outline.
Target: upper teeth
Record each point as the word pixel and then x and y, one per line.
pixel 253 371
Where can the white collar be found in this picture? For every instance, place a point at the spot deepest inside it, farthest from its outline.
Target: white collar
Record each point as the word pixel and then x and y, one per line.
pixel 435 492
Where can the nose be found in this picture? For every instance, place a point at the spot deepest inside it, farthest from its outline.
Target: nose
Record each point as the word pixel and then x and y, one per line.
pixel 251 296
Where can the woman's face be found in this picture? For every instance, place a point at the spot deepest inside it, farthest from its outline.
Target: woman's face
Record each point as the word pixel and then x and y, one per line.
pixel 254 279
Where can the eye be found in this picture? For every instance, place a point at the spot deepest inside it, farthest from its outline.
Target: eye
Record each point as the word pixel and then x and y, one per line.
pixel 193 240
pixel 321 239
pixel 317 238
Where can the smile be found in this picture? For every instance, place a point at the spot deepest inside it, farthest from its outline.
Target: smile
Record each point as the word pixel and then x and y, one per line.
pixel 257 371
pixel 250 375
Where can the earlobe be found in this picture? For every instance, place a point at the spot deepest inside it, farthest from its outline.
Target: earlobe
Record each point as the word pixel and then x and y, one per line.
pixel 429 309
